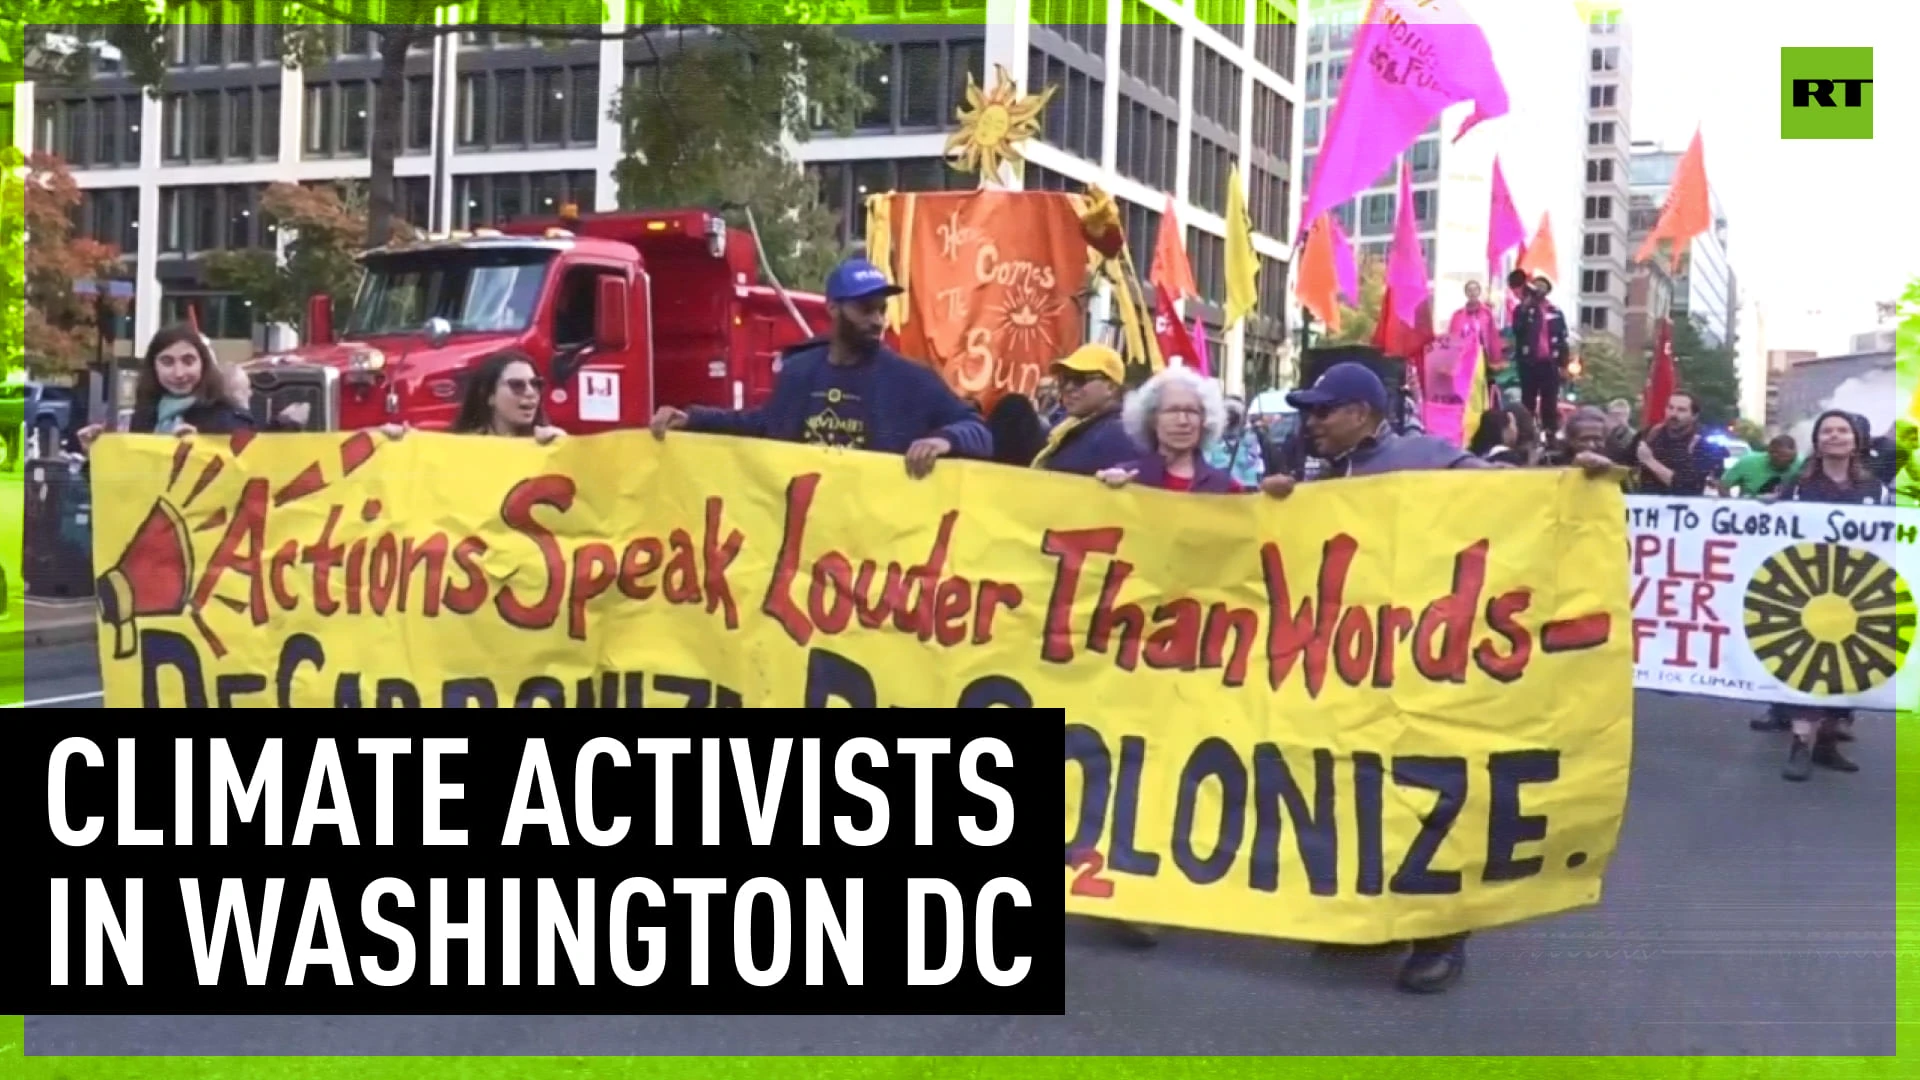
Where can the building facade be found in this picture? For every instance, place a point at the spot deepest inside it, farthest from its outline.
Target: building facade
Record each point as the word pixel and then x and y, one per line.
pixel 1704 288
pixel 1539 49
pixel 534 126
pixel 1604 279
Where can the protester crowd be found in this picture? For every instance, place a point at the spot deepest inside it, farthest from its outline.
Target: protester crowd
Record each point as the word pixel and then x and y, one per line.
pixel 1175 431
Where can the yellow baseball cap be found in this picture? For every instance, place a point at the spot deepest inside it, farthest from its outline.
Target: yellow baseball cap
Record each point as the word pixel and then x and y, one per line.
pixel 1095 359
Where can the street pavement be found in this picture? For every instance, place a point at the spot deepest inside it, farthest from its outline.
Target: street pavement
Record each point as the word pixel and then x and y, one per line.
pixel 63 677
pixel 1743 915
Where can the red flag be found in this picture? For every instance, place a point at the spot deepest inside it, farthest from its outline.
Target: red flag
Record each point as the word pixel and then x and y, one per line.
pixel 1660 378
pixel 1398 339
pixel 1176 345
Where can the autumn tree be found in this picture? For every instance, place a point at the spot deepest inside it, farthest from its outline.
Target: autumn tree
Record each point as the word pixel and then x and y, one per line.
pixel 60 326
pixel 324 228
pixel 707 125
pixel 1357 323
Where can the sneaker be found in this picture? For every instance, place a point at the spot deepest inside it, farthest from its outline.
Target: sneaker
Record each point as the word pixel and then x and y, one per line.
pixel 1799 762
pixel 1770 723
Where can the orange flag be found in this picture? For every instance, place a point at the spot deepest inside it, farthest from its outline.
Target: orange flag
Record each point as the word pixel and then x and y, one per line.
pixel 1688 211
pixel 1539 257
pixel 1171 270
pixel 1318 285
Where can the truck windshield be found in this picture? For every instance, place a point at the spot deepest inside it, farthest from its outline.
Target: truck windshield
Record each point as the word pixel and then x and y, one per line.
pixel 475 290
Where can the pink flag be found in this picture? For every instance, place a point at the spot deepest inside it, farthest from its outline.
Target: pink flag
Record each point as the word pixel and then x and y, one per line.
pixel 1345 270
pixel 1413 58
pixel 1201 362
pixel 1505 230
pixel 1406 264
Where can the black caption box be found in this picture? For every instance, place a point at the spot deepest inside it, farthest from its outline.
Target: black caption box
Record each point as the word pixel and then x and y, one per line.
pixel 594 916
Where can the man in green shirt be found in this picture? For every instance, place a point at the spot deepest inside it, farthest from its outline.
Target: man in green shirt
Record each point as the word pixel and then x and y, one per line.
pixel 1761 473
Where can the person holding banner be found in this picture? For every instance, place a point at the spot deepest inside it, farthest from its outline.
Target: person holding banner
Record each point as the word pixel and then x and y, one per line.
pixel 1091 437
pixel 1174 415
pixel 852 391
pixel 180 391
pixel 1837 473
pixel 1346 423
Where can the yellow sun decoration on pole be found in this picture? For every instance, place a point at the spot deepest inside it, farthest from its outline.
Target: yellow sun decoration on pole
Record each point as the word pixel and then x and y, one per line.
pixel 993 124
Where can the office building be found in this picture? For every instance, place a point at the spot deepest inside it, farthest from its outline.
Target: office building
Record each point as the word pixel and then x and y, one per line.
pixel 1540 51
pixel 1604 280
pixel 172 178
pixel 1703 288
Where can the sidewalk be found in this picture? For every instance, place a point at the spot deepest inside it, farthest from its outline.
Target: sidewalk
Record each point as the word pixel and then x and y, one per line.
pixel 53 623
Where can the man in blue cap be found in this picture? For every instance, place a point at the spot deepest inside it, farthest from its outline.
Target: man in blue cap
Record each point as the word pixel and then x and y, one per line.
pixel 851 390
pixel 1345 415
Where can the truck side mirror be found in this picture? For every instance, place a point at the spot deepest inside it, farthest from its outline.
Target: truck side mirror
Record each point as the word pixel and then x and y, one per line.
pixel 610 315
pixel 320 319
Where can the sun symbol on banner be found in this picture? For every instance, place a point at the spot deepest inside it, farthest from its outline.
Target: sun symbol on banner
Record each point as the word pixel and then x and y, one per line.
pixel 1829 620
pixel 154 575
pixel 1026 319
pixel 993 124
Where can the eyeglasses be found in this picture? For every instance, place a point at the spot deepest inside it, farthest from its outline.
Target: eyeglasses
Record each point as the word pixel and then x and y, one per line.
pixel 1191 412
pixel 522 387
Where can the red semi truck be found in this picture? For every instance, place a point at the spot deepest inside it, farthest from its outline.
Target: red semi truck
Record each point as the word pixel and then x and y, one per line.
pixel 622 312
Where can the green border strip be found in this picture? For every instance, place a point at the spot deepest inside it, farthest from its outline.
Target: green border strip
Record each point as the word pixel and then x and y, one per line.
pixel 13 488
pixel 14 1062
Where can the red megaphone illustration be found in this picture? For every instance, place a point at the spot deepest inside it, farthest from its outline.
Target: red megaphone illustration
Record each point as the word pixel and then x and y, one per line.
pixel 151 579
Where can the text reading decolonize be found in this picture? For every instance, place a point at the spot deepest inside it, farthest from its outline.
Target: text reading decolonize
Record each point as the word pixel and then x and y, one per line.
pixel 826 922
pixel 536 803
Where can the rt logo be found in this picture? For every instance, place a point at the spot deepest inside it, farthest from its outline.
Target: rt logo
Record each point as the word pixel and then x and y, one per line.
pixel 1826 93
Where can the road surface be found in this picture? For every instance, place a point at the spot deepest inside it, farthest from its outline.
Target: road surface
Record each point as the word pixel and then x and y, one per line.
pixel 1743 915
pixel 63 677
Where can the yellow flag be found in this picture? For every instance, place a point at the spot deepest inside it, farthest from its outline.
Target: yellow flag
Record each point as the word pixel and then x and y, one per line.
pixel 1243 265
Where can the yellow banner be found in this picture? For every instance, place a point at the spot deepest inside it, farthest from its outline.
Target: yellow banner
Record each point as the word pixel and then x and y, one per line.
pixel 1345 717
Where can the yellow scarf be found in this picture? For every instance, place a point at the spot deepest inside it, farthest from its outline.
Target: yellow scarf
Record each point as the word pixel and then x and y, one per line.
pixel 1057 436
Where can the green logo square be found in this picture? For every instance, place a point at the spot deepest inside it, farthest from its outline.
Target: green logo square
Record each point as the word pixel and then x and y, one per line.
pixel 1826 93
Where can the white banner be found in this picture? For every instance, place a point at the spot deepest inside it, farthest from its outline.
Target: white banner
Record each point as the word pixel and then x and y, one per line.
pixel 1804 603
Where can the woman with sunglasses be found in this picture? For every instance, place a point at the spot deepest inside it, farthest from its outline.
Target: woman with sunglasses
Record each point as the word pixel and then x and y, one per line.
pixel 502 398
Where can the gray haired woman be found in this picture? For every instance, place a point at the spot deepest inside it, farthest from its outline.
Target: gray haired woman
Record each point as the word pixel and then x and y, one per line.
pixel 1174 416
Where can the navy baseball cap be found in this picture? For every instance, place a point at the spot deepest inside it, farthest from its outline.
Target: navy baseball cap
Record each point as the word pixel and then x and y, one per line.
pixel 1343 384
pixel 858 279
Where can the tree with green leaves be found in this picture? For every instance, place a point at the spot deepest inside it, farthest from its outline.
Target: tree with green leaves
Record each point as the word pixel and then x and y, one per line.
pixel 326 227
pixel 1708 372
pixel 1357 323
pixel 797 37
pixel 706 126
pixel 1606 374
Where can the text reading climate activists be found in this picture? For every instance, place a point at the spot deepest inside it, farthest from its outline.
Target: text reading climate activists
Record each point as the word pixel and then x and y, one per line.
pixel 675 873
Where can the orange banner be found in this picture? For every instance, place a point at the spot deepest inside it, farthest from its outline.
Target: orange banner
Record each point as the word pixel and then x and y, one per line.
pixel 993 280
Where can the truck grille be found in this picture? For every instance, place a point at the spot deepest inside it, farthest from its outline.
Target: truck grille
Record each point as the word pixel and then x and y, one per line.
pixel 276 387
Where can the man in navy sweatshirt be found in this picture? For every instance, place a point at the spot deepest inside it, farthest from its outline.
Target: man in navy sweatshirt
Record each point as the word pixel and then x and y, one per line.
pixel 1345 415
pixel 852 391
pixel 1092 385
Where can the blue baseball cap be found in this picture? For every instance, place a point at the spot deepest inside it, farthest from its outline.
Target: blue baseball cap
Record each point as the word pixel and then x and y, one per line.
pixel 1343 384
pixel 858 279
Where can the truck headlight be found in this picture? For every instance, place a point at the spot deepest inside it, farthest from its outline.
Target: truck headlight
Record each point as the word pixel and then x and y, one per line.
pixel 369 360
